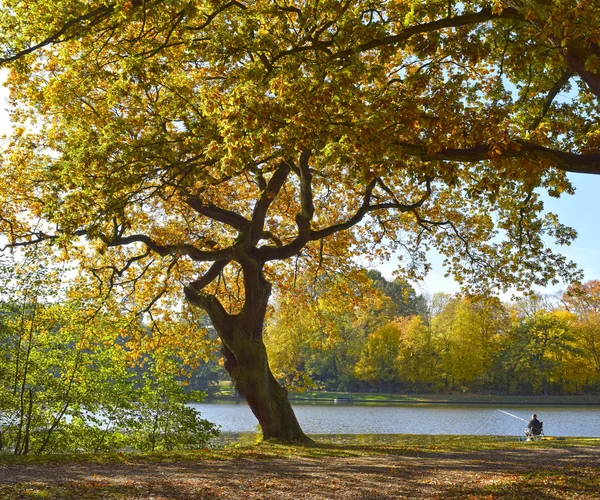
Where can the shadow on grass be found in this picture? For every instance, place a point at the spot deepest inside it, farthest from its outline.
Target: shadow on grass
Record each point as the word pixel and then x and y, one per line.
pixel 96 490
pixel 410 445
pixel 441 467
pixel 344 445
pixel 571 483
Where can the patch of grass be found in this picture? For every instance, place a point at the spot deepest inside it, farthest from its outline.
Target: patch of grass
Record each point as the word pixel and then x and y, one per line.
pixel 93 490
pixel 414 444
pixel 33 491
pixel 441 398
pixel 324 445
pixel 572 482
pixel 450 442
pixel 448 463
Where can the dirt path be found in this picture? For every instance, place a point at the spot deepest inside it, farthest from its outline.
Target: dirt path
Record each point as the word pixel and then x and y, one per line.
pixel 569 473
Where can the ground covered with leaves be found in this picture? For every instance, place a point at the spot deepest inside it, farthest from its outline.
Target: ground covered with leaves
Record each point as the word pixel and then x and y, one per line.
pixel 368 468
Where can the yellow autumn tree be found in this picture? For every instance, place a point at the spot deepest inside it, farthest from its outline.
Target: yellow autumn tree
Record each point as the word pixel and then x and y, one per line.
pixel 317 332
pixel 226 147
pixel 468 333
pixel 542 345
pixel 418 358
pixel 378 360
pixel 584 301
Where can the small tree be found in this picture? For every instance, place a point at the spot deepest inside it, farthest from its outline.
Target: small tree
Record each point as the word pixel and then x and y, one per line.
pixel 539 346
pixel 68 380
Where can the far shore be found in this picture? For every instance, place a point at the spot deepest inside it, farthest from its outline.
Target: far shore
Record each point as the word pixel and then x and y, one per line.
pixel 417 399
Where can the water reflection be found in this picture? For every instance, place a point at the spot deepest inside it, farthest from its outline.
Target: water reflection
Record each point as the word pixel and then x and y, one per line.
pixel 421 419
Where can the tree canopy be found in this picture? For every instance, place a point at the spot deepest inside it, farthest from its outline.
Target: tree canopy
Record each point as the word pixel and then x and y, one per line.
pixel 224 146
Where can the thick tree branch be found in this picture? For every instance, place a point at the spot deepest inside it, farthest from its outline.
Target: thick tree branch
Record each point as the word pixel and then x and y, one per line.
pixel 268 235
pixel 568 162
pixel 258 176
pixel 352 221
pixel 556 88
pixel 188 250
pixel 209 303
pixel 303 218
pixel 306 196
pixel 267 253
pixel 219 214
pixel 576 54
pixel 270 192
pixel 210 275
pixel 482 16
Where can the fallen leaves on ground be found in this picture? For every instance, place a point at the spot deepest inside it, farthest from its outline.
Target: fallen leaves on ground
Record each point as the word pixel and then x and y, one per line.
pixel 263 473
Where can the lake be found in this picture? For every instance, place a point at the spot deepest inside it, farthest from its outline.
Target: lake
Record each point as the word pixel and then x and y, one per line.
pixel 353 418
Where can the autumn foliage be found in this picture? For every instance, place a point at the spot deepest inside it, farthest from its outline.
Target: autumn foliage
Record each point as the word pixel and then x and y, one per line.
pixel 533 345
pixel 225 147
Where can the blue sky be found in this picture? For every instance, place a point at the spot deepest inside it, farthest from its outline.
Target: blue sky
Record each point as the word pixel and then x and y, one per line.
pixel 580 211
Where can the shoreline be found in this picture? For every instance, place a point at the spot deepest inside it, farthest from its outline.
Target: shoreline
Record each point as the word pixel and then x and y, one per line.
pixel 408 403
pixel 391 399
pixel 449 402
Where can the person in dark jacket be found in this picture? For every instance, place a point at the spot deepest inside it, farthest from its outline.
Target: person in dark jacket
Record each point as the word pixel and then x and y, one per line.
pixel 534 428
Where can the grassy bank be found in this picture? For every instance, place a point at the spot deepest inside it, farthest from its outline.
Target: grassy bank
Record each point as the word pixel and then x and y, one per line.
pixel 225 392
pixel 369 467
pixel 441 398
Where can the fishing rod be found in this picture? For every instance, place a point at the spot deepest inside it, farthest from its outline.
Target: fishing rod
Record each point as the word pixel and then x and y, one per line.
pixel 514 416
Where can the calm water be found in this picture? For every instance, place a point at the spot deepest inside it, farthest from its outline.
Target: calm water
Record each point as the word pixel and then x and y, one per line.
pixel 421 419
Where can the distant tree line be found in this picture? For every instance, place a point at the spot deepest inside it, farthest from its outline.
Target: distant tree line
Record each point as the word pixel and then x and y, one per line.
pixel 382 336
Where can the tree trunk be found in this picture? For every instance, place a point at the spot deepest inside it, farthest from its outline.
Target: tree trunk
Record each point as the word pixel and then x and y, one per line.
pixel 249 370
pixel 245 355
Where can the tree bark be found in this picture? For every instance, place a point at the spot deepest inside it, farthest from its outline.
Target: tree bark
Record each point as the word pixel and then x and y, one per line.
pixel 246 362
pixel 245 355
pixel 249 370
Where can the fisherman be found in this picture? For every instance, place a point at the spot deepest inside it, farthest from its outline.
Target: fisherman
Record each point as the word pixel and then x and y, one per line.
pixel 534 427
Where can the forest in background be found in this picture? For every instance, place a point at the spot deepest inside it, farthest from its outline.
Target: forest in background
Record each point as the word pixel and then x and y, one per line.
pixel 365 333
pixel 393 340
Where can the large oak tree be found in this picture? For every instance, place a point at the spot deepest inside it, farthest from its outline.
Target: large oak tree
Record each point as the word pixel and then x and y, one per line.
pixel 224 146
